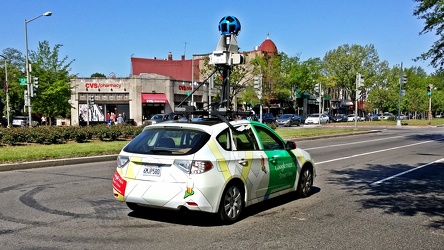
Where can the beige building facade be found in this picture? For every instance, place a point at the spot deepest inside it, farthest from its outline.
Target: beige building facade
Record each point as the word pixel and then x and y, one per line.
pixel 139 97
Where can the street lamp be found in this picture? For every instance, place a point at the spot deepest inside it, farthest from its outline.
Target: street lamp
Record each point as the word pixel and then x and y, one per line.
pixel 28 76
pixel 7 90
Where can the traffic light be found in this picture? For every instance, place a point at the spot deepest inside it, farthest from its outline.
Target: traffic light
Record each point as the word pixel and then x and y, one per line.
pixel 257 84
pixel 317 89
pixel 403 79
pixel 34 86
pixel 360 81
pixel 429 90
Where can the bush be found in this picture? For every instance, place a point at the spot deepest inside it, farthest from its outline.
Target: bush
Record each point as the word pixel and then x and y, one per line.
pixel 56 134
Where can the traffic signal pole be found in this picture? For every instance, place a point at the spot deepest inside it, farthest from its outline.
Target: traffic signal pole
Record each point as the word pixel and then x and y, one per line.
pixel 429 93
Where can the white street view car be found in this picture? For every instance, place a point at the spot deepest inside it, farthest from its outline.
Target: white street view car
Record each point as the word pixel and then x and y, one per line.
pixel 215 167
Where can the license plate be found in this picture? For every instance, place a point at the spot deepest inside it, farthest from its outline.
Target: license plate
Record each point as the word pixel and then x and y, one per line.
pixel 151 171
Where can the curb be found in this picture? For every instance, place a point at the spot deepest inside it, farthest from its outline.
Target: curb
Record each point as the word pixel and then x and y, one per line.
pixel 333 136
pixel 55 162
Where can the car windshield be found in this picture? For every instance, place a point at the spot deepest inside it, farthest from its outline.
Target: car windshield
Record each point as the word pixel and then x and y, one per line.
pixel 167 141
pixel 286 116
pixel 314 115
pixel 157 117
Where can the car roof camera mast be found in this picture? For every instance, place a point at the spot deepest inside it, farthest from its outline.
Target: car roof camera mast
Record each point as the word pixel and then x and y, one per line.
pixel 223 58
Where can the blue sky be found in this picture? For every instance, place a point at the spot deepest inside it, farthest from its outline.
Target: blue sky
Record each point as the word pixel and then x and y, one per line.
pixel 101 36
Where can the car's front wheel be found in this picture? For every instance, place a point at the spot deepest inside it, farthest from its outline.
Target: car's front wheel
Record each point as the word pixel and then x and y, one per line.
pixel 305 182
pixel 232 204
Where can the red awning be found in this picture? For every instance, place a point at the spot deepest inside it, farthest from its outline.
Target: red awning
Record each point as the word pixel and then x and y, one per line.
pixel 154 98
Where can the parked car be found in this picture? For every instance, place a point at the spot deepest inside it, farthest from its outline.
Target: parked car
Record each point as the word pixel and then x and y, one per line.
pixel 372 117
pixel 302 118
pixel 23 121
pixel 268 118
pixel 351 118
pixel 314 119
pixel 387 116
pixel 288 120
pixel 340 118
pixel 196 166
pixel 158 118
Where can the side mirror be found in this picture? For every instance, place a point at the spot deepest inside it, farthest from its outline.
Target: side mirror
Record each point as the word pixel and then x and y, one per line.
pixel 289 145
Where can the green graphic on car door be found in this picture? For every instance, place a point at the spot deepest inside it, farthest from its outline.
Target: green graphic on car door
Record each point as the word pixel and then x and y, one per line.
pixel 282 170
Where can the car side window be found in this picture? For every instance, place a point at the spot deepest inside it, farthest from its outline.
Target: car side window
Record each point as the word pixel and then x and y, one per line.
pixel 224 139
pixel 245 141
pixel 269 140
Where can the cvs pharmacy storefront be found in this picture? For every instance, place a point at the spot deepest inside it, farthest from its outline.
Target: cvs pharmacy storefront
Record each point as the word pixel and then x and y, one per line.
pixel 139 97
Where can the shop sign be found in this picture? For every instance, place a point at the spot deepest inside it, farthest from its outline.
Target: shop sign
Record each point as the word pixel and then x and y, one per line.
pixel 185 87
pixel 95 85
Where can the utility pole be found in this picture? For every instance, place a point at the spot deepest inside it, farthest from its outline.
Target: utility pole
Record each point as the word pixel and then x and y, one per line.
pixel 6 90
pixel 402 82
pixel 257 83
pixel 359 84
pixel 317 90
pixel 429 93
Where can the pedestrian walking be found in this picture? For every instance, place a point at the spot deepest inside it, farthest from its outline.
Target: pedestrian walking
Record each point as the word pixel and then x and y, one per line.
pixel 120 119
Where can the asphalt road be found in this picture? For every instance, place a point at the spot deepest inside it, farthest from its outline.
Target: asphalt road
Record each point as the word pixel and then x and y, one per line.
pixel 375 191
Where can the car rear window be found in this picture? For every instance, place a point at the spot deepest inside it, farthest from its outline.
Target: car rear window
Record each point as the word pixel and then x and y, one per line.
pixel 167 141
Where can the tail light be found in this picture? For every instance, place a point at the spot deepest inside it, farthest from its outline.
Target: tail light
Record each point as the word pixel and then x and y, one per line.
pixel 122 161
pixel 193 167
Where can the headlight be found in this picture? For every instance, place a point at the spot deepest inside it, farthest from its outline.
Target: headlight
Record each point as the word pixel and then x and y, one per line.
pixel 122 160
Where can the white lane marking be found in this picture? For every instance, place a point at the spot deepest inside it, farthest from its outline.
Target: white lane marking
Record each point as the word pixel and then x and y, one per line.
pixel 372 152
pixel 405 172
pixel 351 143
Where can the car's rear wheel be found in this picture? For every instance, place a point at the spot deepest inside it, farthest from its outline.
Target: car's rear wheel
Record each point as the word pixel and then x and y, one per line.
pixel 305 182
pixel 231 204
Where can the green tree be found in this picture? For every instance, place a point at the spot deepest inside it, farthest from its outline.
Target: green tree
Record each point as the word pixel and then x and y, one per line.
pixel 432 12
pixel 342 64
pixel 98 75
pixel 16 69
pixel 54 89
pixel 273 84
pixel 437 80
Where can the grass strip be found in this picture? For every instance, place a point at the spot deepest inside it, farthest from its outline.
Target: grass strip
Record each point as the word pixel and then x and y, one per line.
pixel 35 152
pixel 312 132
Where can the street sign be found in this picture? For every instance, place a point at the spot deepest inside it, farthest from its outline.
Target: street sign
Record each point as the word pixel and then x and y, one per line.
pixel 23 81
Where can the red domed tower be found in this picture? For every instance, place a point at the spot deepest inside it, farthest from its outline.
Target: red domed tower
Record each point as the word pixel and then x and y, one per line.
pixel 268 46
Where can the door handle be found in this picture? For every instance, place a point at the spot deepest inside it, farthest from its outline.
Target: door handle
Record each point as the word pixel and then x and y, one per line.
pixel 243 162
